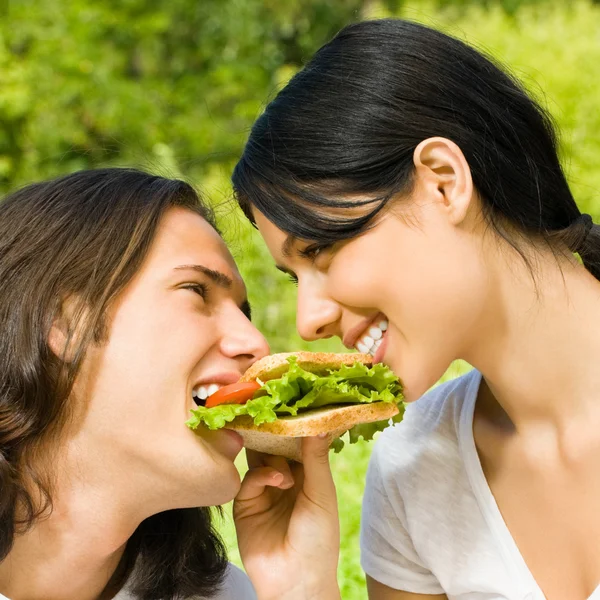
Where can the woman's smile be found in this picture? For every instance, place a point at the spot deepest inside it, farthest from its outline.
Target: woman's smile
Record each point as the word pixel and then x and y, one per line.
pixel 367 336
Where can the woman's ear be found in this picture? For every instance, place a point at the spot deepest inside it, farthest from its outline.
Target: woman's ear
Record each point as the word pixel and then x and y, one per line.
pixel 61 337
pixel 443 170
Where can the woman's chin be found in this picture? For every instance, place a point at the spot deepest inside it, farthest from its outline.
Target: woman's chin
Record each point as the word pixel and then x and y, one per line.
pixel 409 396
pixel 417 378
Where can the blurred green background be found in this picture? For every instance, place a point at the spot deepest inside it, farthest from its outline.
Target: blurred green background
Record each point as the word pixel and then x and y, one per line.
pixel 174 86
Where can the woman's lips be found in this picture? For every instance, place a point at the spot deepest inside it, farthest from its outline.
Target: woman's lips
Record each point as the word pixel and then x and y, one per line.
pixel 373 339
pixel 357 334
pixel 380 354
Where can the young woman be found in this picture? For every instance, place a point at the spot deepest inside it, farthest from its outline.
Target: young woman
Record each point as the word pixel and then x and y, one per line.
pixel 413 191
pixel 118 300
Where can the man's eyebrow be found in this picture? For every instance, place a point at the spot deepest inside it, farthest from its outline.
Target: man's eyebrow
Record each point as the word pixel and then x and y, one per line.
pixel 288 244
pixel 219 278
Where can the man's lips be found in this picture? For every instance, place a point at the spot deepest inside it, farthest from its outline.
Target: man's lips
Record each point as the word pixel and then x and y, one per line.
pixel 223 378
pixel 209 384
pixel 355 332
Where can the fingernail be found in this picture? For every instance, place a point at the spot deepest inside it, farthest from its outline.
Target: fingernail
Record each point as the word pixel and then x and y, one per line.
pixel 277 477
pixel 322 435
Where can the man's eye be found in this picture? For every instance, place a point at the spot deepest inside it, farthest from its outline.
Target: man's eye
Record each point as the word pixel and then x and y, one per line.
pixel 198 288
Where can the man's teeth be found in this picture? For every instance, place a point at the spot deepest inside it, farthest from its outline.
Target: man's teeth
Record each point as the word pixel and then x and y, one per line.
pixel 372 339
pixel 202 392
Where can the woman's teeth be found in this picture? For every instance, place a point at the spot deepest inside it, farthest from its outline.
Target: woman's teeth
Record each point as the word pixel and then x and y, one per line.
pixel 370 342
pixel 202 392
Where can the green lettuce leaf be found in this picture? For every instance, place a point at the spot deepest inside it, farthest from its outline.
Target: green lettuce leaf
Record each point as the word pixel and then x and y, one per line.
pixel 366 431
pixel 298 390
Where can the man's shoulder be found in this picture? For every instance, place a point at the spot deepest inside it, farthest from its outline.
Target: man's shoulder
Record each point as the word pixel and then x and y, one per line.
pixel 236 586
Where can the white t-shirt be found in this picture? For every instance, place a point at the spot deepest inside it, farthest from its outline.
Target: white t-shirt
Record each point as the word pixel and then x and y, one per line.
pixel 430 524
pixel 236 586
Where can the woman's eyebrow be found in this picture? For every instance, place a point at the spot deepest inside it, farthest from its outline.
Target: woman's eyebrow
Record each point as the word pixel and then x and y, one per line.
pixel 219 278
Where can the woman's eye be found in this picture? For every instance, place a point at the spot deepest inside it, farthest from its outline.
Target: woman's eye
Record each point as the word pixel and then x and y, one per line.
pixel 314 250
pixel 293 278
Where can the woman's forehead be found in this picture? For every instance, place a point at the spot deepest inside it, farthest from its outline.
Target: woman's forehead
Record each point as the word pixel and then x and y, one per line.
pixel 269 231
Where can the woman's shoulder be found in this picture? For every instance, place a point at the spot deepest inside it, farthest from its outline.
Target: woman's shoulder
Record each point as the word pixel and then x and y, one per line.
pixel 428 436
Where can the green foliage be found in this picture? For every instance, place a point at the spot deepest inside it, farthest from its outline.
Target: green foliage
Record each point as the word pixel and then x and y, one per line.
pixel 175 86
pixel 98 82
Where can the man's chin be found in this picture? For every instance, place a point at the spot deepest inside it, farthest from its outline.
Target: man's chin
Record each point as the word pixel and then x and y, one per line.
pixel 226 485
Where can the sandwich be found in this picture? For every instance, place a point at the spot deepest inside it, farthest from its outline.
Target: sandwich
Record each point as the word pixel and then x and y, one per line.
pixel 284 397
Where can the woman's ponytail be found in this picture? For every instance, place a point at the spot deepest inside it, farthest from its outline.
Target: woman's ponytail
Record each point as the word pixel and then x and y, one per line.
pixel 585 241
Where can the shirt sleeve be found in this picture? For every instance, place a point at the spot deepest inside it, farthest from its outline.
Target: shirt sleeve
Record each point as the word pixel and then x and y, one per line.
pixel 388 554
pixel 237 586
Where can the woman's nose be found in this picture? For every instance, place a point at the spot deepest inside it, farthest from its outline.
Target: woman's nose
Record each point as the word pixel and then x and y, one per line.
pixel 317 316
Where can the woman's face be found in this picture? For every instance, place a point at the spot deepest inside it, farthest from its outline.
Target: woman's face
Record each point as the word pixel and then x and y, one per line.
pixel 416 272
pixel 182 324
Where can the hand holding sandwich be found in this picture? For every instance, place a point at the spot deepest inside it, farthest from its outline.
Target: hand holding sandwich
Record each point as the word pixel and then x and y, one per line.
pixel 287 525
pixel 296 406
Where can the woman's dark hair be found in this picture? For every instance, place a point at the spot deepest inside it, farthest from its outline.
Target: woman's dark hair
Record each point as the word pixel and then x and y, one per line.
pixel 342 133
pixel 83 236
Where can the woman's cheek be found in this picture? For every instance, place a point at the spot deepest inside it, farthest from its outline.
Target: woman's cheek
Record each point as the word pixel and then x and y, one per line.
pixel 355 285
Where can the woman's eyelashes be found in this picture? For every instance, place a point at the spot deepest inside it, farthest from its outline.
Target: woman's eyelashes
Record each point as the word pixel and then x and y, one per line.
pixel 313 251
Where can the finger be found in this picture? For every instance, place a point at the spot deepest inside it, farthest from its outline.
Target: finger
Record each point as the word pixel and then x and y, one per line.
pixel 298 474
pixel 318 480
pixel 282 465
pixel 254 459
pixel 255 482
pixel 258 459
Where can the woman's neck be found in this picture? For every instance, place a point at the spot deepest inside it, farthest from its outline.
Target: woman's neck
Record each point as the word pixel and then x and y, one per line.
pixel 539 345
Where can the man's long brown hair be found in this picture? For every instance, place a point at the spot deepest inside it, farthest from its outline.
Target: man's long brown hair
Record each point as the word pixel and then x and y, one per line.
pixel 83 236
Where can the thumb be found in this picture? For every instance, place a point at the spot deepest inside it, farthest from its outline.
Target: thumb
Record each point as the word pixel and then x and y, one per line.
pixel 318 480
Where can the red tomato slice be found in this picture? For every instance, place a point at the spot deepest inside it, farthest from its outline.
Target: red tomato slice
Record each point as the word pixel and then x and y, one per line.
pixel 236 393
